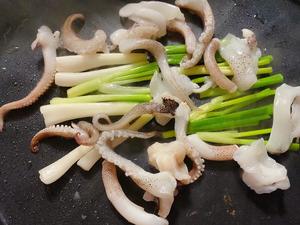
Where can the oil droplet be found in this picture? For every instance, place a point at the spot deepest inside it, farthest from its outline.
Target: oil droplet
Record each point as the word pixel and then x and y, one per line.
pixel 76 196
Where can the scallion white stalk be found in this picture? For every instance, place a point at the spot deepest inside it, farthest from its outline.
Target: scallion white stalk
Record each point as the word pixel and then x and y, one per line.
pixel 54 114
pixel 54 171
pixel 78 63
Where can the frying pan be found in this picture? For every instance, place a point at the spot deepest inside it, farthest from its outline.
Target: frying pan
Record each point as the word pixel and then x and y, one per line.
pixel 218 197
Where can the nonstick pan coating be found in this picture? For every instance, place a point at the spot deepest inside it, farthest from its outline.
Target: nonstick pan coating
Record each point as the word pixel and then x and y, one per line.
pixel 218 197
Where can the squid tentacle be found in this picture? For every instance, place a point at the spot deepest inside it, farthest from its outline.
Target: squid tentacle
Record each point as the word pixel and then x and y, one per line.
pixel 129 210
pixel 198 165
pixel 80 46
pixel 182 28
pixel 84 133
pixel 161 185
pixel 204 11
pixel 55 130
pixel 167 108
pixel 49 42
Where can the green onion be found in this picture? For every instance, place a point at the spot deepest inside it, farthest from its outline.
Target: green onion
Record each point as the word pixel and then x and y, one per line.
pixel 257 96
pixel 199 80
pixel 175 59
pixel 252 133
pixel 265 60
pixel 181 49
pixel 201 70
pixel 175 49
pixel 228 138
pixel 230 109
pixel 213 105
pixel 64 79
pixel 262 82
pixel 135 75
pixel 263 110
pixel 112 88
pixel 134 80
pixel 246 118
pixel 223 124
pixel 94 84
pixel 103 98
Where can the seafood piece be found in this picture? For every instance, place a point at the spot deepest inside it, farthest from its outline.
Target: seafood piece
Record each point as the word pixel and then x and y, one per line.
pixel 84 133
pixel 73 43
pixel 49 42
pixel 161 185
pixel 215 73
pixel 242 55
pixel 285 123
pixel 260 172
pixel 203 10
pixel 129 210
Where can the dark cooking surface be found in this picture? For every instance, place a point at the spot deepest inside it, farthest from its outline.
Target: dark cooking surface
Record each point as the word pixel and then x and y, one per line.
pixel 219 197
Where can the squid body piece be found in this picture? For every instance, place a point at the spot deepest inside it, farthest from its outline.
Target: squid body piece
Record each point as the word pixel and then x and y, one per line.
pixel 260 172
pixel 285 124
pixel 150 19
pixel 169 157
pixel 169 11
pixel 242 55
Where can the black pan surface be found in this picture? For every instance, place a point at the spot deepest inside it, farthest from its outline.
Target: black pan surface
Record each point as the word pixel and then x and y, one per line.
pixel 219 197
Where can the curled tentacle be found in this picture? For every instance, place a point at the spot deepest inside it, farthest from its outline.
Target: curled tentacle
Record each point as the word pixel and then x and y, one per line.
pixel 181 122
pixel 92 134
pixel 203 10
pixel 98 117
pixel 75 44
pixel 84 133
pixel 208 83
pixel 215 73
pixel 168 107
pixel 56 130
pixel 49 43
pixel 129 210
pixel 198 165
pixel 182 28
